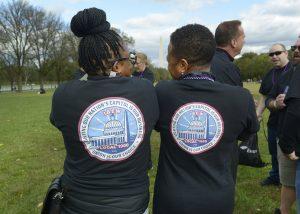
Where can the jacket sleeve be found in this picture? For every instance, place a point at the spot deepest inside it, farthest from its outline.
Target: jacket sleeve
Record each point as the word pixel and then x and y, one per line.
pixel 289 137
pixel 251 124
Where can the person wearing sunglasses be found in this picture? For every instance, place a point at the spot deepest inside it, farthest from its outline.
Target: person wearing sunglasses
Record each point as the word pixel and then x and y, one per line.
pixel 278 56
pixel 296 51
pixel 289 139
pixel 106 124
pixel 275 103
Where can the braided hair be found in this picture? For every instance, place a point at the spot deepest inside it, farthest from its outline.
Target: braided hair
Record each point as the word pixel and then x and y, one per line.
pixel 97 43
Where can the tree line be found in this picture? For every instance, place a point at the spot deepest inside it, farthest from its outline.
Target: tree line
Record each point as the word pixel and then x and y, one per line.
pixel 37 46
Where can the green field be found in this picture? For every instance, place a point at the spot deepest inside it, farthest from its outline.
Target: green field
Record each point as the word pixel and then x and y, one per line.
pixel 32 154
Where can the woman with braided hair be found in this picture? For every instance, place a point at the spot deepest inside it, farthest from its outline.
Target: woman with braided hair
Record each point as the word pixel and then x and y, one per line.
pixel 106 124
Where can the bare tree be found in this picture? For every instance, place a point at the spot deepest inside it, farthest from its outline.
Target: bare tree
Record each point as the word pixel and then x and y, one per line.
pixel 129 40
pixel 8 70
pixel 45 31
pixel 63 53
pixel 15 31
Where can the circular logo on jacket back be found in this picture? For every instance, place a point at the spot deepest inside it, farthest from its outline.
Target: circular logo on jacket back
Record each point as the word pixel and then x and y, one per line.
pixel 197 127
pixel 111 129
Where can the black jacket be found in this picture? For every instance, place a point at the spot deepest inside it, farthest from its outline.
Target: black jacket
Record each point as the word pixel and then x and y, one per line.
pixel 146 74
pixel 290 136
pixel 268 81
pixel 280 87
pixel 223 68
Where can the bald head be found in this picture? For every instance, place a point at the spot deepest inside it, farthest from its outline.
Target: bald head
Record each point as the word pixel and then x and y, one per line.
pixel 278 55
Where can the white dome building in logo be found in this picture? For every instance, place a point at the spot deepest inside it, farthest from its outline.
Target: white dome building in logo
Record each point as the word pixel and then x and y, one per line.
pixel 198 130
pixel 114 133
pixel 111 129
pixel 197 127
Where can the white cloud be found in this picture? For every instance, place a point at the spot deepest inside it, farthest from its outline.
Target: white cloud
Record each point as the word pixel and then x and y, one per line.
pixel 148 30
pixel 271 22
pixel 77 1
pixel 154 20
pixel 265 24
pixel 188 4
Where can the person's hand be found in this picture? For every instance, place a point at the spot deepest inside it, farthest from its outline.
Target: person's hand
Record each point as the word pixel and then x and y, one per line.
pixel 255 103
pixel 279 101
pixel 293 156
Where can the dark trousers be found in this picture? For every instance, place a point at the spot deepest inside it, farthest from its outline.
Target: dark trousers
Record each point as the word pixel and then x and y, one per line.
pixel 272 143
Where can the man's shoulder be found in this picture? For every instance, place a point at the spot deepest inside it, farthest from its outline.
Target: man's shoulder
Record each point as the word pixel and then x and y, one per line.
pixel 137 82
pixel 233 91
pixel 221 61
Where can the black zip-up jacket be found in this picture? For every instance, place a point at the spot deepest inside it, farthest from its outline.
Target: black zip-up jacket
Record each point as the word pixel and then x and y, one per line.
pixel 290 137
pixel 223 68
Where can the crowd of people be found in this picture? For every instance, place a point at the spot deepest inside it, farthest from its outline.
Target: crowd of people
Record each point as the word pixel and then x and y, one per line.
pixel 107 113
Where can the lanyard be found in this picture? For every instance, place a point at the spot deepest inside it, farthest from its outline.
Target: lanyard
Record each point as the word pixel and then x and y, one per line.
pixel 198 75
pixel 283 71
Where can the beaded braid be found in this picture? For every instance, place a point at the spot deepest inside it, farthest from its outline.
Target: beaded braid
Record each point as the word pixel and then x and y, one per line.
pixel 97 42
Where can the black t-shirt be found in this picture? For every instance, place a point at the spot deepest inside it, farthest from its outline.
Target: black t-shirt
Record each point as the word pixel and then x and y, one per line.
pixel 281 87
pixel 146 74
pixel 223 68
pixel 265 88
pixel 200 123
pixel 106 125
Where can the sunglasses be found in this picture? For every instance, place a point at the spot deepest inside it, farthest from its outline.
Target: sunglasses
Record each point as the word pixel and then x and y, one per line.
pixel 277 53
pixel 295 47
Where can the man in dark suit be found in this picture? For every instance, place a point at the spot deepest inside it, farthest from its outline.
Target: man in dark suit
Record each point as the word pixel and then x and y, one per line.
pixel 230 38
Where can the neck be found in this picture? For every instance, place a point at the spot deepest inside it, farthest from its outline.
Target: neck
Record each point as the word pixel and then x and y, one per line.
pixel 229 50
pixel 205 68
pixel 284 64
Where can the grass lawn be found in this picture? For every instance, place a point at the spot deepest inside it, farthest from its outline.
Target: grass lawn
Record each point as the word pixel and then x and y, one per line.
pixel 32 154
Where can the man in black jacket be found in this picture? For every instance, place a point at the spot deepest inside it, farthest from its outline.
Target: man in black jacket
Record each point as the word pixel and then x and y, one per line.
pixel 279 57
pixel 230 38
pixel 289 137
pixel 275 102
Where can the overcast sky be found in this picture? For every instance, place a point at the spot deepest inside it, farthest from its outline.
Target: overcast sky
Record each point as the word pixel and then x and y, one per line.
pixel 264 21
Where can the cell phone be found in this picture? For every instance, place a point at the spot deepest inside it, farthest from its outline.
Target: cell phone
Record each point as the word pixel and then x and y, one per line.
pixel 286 89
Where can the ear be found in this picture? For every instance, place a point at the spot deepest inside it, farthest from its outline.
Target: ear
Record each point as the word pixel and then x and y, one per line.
pixel 233 43
pixel 116 67
pixel 182 65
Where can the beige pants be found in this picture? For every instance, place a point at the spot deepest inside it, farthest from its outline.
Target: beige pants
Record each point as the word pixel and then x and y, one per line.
pixel 287 169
